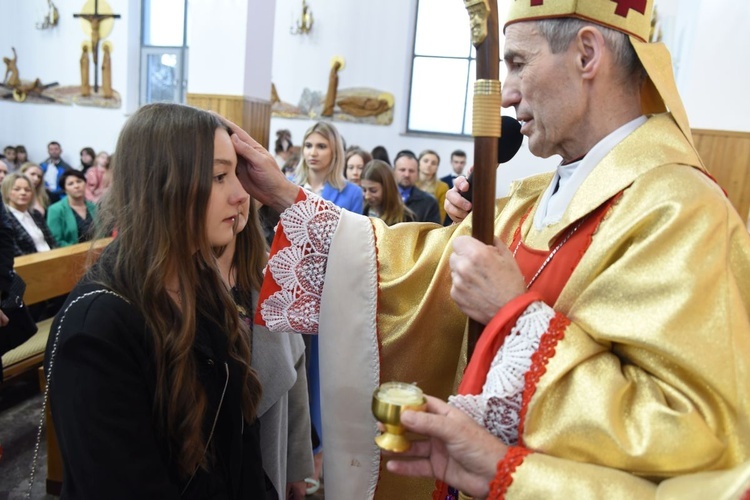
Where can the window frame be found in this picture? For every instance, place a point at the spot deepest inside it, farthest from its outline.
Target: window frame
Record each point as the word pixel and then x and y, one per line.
pixel 468 93
pixel 181 51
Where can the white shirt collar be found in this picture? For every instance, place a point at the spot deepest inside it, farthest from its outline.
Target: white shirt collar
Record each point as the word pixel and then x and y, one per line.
pixel 569 178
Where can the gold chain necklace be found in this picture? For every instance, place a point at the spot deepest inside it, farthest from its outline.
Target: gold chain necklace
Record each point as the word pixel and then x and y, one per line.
pixel 552 253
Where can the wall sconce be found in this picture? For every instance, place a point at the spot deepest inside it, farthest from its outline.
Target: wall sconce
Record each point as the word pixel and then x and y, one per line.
pixel 50 20
pixel 305 22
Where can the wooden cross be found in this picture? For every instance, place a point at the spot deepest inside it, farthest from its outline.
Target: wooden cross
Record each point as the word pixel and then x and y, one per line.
pixel 94 20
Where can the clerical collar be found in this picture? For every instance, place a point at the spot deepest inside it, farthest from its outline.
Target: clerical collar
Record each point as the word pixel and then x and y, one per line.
pixel 569 178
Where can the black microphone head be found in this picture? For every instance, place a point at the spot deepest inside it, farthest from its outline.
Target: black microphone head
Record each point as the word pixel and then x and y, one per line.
pixel 507 146
pixel 511 139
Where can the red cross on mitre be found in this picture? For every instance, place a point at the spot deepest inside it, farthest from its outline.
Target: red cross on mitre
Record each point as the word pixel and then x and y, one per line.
pixel 624 6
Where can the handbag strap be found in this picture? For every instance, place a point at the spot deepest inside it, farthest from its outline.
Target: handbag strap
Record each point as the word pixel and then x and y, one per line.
pixel 48 378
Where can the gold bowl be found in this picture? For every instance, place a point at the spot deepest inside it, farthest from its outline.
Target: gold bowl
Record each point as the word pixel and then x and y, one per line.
pixel 388 401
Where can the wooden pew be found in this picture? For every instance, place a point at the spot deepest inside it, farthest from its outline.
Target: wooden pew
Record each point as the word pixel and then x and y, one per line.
pixel 47 275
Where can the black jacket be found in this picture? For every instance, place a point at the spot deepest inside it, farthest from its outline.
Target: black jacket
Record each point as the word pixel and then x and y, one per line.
pixel 424 206
pixel 7 250
pixel 102 399
pixel 22 241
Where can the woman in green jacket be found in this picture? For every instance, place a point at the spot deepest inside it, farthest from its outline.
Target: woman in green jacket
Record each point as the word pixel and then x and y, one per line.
pixel 71 220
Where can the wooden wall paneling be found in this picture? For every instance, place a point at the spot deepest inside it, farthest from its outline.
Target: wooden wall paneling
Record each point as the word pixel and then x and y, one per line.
pixel 253 115
pixel 727 156
pixel 257 119
pixel 228 106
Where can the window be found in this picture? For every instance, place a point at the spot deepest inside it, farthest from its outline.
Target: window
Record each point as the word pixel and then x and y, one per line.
pixel 443 69
pixel 163 51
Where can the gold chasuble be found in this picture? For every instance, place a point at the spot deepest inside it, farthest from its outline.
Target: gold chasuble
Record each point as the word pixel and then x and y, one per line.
pixel 649 379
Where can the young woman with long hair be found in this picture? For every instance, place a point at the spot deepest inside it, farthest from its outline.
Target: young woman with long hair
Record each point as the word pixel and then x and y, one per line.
pixel 382 198
pixel 148 364
pixel 321 169
pixel 429 161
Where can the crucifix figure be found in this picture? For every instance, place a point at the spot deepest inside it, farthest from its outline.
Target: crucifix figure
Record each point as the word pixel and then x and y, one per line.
pixel 95 19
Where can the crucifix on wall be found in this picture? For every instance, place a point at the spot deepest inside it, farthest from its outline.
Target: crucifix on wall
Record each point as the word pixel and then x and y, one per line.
pixel 100 20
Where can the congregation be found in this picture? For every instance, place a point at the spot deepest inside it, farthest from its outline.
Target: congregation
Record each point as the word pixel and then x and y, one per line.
pixel 52 203
pixel 248 304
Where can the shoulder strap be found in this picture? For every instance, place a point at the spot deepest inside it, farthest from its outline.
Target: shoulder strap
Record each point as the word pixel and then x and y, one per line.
pixel 48 377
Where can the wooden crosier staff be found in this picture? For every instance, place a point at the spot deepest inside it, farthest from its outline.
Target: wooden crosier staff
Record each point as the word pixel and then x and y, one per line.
pixel 485 128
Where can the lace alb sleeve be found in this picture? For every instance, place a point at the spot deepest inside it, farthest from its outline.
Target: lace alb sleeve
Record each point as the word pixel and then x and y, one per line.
pixel 498 407
pixel 298 268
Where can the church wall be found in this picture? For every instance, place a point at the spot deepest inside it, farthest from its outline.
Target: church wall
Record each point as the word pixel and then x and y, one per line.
pixel 375 38
pixel 53 55
pixel 715 87
pixel 376 41
pixel 216 41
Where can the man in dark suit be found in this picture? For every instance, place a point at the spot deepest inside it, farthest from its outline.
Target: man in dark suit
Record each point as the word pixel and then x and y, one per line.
pixel 458 162
pixel 424 205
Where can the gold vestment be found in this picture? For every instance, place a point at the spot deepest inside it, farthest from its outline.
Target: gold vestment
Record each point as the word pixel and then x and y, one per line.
pixel 652 376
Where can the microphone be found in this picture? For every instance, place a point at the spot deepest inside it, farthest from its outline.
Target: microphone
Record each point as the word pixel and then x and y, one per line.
pixel 507 146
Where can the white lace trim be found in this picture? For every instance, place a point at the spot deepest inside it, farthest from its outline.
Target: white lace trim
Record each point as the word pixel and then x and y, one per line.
pixel 498 407
pixel 300 269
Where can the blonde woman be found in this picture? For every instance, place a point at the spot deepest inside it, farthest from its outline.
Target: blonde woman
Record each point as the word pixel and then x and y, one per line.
pixel 35 174
pixel 429 161
pixel 321 169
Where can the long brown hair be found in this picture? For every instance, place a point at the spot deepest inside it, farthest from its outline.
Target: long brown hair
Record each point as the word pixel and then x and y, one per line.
pixel 392 208
pixel 161 182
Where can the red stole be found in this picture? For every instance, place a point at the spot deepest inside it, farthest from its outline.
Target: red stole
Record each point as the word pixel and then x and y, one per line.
pixel 546 287
pixel 553 278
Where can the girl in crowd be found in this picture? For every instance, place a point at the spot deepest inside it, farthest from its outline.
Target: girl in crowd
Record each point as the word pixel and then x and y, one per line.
pixel 278 359
pixel 382 198
pixel 30 231
pixel 22 156
pixel 71 219
pixel 148 365
pixel 87 159
pixel 35 174
pixel 429 161
pixel 3 171
pixel 356 159
pixel 96 177
pixel 283 146
pixel 321 169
